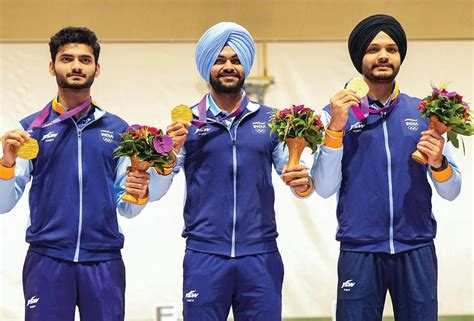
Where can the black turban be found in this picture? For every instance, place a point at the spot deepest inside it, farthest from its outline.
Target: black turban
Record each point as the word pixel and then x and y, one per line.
pixel 367 29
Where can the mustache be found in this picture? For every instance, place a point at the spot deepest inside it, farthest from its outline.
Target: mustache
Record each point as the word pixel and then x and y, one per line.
pixel 386 65
pixel 228 74
pixel 74 74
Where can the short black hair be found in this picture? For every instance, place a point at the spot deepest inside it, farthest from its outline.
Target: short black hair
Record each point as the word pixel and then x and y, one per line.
pixel 80 35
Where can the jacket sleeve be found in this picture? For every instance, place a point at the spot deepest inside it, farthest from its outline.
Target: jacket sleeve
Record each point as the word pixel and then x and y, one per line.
pixel 447 182
pixel 327 167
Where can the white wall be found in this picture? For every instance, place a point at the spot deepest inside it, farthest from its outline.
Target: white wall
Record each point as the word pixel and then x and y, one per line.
pixel 142 82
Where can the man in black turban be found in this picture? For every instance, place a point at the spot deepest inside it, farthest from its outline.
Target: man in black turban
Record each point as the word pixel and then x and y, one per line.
pixel 368 29
pixel 386 227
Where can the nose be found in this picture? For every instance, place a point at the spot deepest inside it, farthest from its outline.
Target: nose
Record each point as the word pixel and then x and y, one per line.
pixel 383 55
pixel 228 65
pixel 76 65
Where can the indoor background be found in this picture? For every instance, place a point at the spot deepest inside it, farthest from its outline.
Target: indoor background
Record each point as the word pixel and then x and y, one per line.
pixel 148 67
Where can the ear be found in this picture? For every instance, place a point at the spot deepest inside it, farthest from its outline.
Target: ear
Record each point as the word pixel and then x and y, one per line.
pixel 97 70
pixel 52 72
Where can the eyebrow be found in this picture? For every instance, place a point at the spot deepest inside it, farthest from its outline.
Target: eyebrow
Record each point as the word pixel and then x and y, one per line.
pixel 378 44
pixel 70 55
pixel 234 56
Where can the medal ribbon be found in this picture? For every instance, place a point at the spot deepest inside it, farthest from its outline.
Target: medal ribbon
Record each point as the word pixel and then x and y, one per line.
pixel 44 113
pixel 363 111
pixel 202 111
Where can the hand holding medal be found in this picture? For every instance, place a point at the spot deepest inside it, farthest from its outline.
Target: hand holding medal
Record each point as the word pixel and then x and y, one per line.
pixel 359 86
pixel 182 118
pixel 17 143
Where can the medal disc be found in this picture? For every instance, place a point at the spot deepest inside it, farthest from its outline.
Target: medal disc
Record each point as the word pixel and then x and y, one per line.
pixel 29 149
pixel 359 86
pixel 182 112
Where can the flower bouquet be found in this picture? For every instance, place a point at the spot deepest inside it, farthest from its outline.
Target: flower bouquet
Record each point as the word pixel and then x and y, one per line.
pixel 146 146
pixel 447 112
pixel 298 127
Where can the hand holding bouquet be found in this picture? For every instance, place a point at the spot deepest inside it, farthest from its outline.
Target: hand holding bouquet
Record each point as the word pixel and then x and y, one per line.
pixel 146 146
pixel 447 113
pixel 298 127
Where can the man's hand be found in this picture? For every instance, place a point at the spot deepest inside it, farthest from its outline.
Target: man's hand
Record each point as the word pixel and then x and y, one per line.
pixel 178 131
pixel 137 183
pixel 296 177
pixel 11 140
pixel 431 144
pixel 340 104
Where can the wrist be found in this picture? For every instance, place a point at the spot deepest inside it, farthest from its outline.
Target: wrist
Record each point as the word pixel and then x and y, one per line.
pixel 335 127
pixel 440 166
pixel 6 163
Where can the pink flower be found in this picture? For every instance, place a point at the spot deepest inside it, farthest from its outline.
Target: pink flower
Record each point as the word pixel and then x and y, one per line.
pixel 133 127
pixel 445 93
pixel 163 145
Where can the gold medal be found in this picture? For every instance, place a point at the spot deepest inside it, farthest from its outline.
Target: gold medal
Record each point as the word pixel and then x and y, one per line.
pixel 29 149
pixel 359 86
pixel 182 112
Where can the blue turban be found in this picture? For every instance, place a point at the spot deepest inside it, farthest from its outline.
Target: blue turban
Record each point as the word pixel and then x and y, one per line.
pixel 215 38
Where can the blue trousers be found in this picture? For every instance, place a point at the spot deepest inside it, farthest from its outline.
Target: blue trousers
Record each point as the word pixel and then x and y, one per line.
pixel 411 278
pixel 250 284
pixel 53 288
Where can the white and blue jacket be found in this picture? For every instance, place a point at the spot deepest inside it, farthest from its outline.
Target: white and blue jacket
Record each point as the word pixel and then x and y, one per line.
pixel 229 202
pixel 76 188
pixel 384 197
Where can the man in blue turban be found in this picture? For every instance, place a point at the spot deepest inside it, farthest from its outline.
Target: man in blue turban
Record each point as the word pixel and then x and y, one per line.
pixel 232 258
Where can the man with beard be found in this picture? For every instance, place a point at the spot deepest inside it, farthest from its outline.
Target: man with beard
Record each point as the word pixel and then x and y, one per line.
pixel 74 256
pixel 385 224
pixel 231 258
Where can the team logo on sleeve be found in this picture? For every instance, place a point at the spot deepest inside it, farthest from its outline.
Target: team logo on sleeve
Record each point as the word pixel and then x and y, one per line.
pixel 107 135
pixel 412 124
pixel 259 127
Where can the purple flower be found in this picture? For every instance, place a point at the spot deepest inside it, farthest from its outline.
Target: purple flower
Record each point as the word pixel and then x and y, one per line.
pixel 445 93
pixel 298 108
pixel 163 144
pixel 132 127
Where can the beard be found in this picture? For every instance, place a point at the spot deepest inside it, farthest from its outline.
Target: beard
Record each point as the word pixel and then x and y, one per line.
pixel 381 77
pixel 65 83
pixel 225 88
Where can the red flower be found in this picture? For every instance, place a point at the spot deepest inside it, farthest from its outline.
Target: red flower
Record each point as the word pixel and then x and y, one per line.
pixel 151 129
pixel 284 112
pixel 138 134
